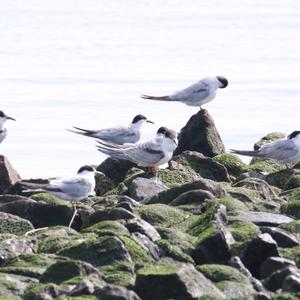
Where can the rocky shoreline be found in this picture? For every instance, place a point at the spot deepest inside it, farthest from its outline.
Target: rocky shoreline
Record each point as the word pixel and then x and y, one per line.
pixel 211 227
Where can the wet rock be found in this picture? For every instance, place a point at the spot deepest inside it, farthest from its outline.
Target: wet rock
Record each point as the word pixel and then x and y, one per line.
pixel 215 240
pixel 200 134
pixel 274 264
pixel 229 280
pixel 13 224
pixel 141 188
pixel 206 167
pixel 265 218
pixel 283 238
pixel 258 251
pixel 174 282
pixel 103 184
pixel 12 248
pixel 168 196
pixel 117 213
pixel 64 270
pixel 234 165
pixel 115 169
pixel 14 285
pixel 143 227
pixel 8 175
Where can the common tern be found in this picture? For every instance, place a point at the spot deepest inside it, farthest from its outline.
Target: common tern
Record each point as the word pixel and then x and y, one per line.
pixel 73 188
pixel 196 94
pixel 117 135
pixel 283 151
pixel 3 119
pixel 151 153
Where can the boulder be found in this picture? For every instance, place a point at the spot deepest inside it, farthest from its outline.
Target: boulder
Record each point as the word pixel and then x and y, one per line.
pixel 274 264
pixel 201 135
pixel 13 224
pixel 8 175
pixel 258 251
pixel 180 281
pixel 141 188
pixel 283 238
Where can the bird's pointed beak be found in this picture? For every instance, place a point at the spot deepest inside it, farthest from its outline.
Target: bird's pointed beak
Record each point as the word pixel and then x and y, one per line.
pixel 98 173
pixel 10 118
pixel 175 142
pixel 148 121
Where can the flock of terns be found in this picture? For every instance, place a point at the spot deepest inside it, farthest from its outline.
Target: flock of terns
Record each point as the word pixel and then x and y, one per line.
pixel 123 143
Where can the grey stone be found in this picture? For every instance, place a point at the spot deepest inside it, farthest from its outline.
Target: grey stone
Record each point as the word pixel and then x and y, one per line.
pixel 142 226
pixel 259 249
pixel 13 224
pixel 8 175
pixel 273 264
pixel 265 218
pixel 283 238
pixel 141 188
pixel 200 134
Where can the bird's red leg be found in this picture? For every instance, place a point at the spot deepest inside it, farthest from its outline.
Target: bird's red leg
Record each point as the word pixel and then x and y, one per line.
pixel 154 171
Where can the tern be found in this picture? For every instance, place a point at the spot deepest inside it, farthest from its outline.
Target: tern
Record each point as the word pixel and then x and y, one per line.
pixel 117 135
pixel 73 188
pixel 3 119
pixel 151 153
pixel 283 151
pixel 196 94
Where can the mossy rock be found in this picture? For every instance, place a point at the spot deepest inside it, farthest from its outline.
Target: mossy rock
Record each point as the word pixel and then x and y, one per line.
pixel 284 296
pixel 233 205
pixel 293 182
pixel 65 270
pixel 14 285
pixel 174 251
pixel 292 227
pixel 264 165
pixel 234 165
pixel 291 208
pixel 10 297
pixel 107 228
pixel 37 288
pixel 13 224
pixel 174 178
pixel 280 178
pixel 51 199
pixel 31 265
pixel 291 253
pixel 243 232
pixel 162 215
pixel 291 195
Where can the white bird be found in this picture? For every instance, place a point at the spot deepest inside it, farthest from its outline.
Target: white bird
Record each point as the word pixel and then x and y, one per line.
pixel 3 119
pixel 73 188
pixel 283 151
pixel 117 135
pixel 196 94
pixel 151 153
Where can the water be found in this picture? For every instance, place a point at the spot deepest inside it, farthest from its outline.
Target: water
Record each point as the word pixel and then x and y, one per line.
pixel 85 63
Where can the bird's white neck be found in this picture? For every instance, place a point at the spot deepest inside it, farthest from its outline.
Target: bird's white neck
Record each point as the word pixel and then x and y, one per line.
pixel 168 145
pixel 296 140
pixel 136 126
pixel 2 121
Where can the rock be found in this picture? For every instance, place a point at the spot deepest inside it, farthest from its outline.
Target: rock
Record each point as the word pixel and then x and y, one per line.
pixel 280 178
pixel 291 284
pixel 141 188
pixel 265 218
pixel 45 211
pixel 258 251
pixel 214 241
pixel 114 201
pixel 103 184
pixel 291 208
pixel 107 228
pixel 8 175
pixel 12 248
pixel 206 167
pixel 192 197
pixel 161 215
pixel 200 134
pixel 232 163
pixel 293 182
pixel 274 264
pixel 14 285
pixel 64 270
pixel 275 281
pixel 229 280
pixel 283 238
pixel 181 281
pixel 143 227
pixel 14 224
pixel 115 169
pixel 168 196
pixel 111 214
pixel 151 248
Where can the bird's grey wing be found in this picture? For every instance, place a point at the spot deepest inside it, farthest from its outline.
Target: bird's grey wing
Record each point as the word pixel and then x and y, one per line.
pixel 200 89
pixel 145 154
pixel 73 186
pixel 279 150
pixel 117 135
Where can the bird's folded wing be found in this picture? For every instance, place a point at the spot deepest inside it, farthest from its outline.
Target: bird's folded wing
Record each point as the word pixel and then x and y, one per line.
pixel 279 150
pixel 200 88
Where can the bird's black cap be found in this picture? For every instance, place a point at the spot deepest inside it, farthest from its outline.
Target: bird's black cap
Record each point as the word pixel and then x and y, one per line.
pixel 293 134
pixel 86 168
pixel 138 118
pixel 223 80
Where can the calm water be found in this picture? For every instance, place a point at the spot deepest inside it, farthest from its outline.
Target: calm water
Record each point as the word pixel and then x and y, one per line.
pixel 85 63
